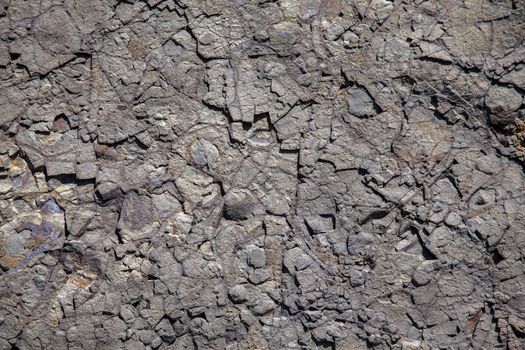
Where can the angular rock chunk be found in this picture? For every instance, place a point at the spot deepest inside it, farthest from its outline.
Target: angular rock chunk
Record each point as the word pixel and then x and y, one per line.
pixel 56 32
pixel 240 204
pixel 55 168
pixel 204 153
pixel 501 101
pixel 360 103
pixel 358 244
pixel 136 215
pixel 256 257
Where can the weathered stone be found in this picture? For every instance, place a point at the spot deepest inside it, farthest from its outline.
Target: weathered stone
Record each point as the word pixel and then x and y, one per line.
pixel 256 257
pixel 360 103
pixel 261 304
pixel 502 101
pixel 276 204
pixel 320 224
pixel 86 171
pixel 204 152
pixel 136 215
pixel 240 204
pixel 358 244
pixel 260 276
pixel 55 168
pixel 295 259
pixel 165 331
pixel 238 294
pixel 233 174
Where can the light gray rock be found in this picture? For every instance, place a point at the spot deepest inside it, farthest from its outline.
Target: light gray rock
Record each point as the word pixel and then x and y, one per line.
pixel 260 276
pixel 204 152
pixel 136 216
pixel 501 101
pixel 55 168
pixel 296 259
pixel 240 204
pixel 261 304
pixel 86 171
pixel 165 331
pixel 238 294
pixel 358 244
pixel 256 257
pixel 360 103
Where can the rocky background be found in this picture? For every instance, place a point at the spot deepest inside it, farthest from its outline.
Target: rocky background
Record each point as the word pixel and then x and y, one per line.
pixel 258 174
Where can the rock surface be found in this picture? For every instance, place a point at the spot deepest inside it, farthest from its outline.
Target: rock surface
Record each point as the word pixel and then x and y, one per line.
pixel 254 174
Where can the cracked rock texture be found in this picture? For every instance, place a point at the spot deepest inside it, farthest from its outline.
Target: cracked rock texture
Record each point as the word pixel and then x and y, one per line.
pixel 262 174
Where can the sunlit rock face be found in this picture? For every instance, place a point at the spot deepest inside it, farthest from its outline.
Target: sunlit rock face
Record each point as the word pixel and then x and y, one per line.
pixel 252 174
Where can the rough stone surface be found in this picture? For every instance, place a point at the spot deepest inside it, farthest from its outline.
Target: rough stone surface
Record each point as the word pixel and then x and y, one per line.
pixel 256 174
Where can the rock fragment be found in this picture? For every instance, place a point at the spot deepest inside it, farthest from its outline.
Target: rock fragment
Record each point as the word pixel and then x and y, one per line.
pixel 501 101
pixel 360 103
pixel 240 204
pixel 204 153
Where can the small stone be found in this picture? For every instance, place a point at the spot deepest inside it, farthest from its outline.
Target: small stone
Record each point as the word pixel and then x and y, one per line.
pixel 517 323
pixel 55 168
pixel 146 336
pixel 136 215
pixel 374 339
pixel 256 257
pixel 86 171
pixel 206 248
pixel 501 101
pixel 260 276
pixel 14 244
pixel 247 318
pixel 518 302
pixel 307 280
pixel 296 259
pixel 204 153
pixel 238 294
pixel 453 219
pixel 261 304
pixel 166 205
pixel 357 278
pixel 60 124
pixel 182 223
pixel 50 208
pixel 357 244
pixel 360 103
pixel 165 331
pixel 239 204
pixel 16 182
pixel 108 190
pixel 516 77
pixel 261 35
pixel 488 164
pixel 423 274
pixel 421 278
pixel 5 186
pixel 276 204
pixel 319 224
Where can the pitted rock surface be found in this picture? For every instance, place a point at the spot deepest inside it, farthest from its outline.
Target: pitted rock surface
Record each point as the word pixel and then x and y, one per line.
pixel 262 174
